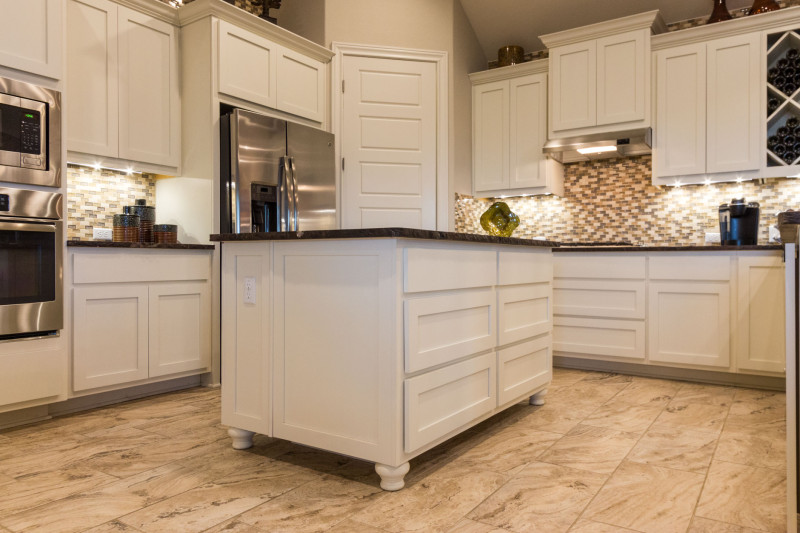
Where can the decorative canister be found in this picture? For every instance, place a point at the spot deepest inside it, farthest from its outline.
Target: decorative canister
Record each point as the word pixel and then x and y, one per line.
pixel 165 233
pixel 126 228
pixel 510 55
pixel 147 217
pixel 763 6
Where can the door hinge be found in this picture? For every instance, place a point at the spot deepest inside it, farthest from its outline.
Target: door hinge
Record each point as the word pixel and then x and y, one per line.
pixel 343 164
pixel 342 86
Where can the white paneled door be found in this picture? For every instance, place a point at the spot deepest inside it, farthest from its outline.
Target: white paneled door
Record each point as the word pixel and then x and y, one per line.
pixel 389 142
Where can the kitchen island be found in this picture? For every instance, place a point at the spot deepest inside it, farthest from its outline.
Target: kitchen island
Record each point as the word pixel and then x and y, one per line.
pixel 380 343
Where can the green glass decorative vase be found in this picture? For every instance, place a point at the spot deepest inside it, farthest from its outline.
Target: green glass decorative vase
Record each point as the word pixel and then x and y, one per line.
pixel 499 220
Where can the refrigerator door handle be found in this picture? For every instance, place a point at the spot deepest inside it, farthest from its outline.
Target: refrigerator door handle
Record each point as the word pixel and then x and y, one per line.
pixel 294 194
pixel 283 196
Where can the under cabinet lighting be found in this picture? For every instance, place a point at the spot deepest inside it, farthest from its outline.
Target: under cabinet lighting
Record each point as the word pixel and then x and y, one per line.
pixel 596 150
pixel 97 166
pixel 707 182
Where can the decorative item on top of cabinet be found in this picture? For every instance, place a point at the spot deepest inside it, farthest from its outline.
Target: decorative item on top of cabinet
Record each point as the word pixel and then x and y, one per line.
pixel 762 6
pixel 719 13
pixel 510 55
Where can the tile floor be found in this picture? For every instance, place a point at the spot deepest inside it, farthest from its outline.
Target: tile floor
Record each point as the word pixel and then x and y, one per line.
pixel 607 453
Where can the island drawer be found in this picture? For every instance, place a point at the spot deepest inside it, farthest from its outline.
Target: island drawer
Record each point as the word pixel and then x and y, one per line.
pixel 443 400
pixel 523 312
pixel 681 266
pixel 523 368
pixel 427 269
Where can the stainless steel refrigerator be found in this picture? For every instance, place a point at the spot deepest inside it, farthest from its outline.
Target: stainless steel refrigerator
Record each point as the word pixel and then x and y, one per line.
pixel 275 175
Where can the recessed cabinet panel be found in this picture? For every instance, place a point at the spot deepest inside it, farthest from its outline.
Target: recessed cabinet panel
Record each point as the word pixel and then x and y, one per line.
pixel 603 337
pixel 427 269
pixel 301 85
pixel 523 368
pixel 30 36
pixel 598 265
pixel 573 87
pixel 516 268
pixel 760 325
pixel 599 298
pixel 443 400
pixel 248 65
pixel 524 312
pixel 491 112
pixel 683 266
pixel 445 328
pixel 528 121
pixel 620 84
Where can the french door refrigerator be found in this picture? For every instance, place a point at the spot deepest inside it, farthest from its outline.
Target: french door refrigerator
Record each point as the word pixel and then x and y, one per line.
pixel 275 175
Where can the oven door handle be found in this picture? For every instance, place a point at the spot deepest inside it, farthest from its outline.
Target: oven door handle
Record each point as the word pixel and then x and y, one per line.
pixel 26 226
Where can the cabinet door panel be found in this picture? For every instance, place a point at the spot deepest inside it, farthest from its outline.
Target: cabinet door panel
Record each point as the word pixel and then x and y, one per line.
pixel 301 85
pixel 523 368
pixel 606 298
pixel 733 104
pixel 689 323
pixel 248 65
pixel 109 335
pixel 760 325
pixel 621 78
pixel 528 100
pixel 149 106
pixel 573 86
pixel 491 135
pixel 180 327
pixel 680 136
pixel 524 312
pixel 92 77
pixel 603 337
pixel 30 36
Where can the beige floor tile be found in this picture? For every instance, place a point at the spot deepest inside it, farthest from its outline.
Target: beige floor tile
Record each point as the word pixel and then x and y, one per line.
pixel 753 446
pixel 591 448
pixel 704 525
pixel 435 504
pixel 623 417
pixel 760 396
pixel 206 506
pixel 595 391
pixel 608 377
pixel 587 526
pixel 507 450
pixel 557 417
pixel 757 415
pixel 351 526
pixel 647 391
pixel 696 416
pixel 221 460
pixel 470 526
pixel 744 495
pixel 114 526
pixel 705 394
pixel 647 498
pixel 541 498
pixel 234 526
pixel 567 376
pixel 675 447
pixel 315 506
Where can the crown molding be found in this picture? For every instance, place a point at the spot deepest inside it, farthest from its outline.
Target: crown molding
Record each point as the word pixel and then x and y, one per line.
pixel 154 8
pixel 510 72
pixel 200 9
pixel 651 20
pixel 765 21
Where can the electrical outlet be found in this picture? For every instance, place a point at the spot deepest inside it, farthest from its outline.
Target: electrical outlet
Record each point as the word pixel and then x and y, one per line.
pixel 249 290
pixel 712 237
pixel 101 234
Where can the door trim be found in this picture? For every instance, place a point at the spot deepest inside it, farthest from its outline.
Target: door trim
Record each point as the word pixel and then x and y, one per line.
pixel 439 58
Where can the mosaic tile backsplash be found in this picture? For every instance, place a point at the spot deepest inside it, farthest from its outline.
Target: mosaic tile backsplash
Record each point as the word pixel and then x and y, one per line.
pixel 614 200
pixel 95 196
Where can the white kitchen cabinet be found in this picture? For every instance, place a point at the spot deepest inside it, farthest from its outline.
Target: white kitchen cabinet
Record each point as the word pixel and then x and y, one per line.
pixel 32 372
pixel 139 316
pixel 600 76
pixel 123 90
pixel 30 36
pixel 258 70
pixel 509 131
pixel 760 324
pixel 708 101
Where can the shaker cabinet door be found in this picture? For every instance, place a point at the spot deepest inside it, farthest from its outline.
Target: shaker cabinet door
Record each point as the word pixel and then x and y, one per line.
pixel 248 65
pixel 573 86
pixel 621 78
pixel 528 131
pixel 490 135
pixel 30 36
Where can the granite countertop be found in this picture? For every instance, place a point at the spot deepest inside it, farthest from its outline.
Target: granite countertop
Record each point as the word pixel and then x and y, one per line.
pixel 138 245
pixel 698 248
pixel 373 233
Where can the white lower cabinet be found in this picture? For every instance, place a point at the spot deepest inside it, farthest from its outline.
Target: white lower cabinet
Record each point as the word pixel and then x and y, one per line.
pixel 600 336
pixel 155 325
pixel 523 367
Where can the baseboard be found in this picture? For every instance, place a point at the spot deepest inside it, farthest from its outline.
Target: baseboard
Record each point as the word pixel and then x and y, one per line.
pixel 666 372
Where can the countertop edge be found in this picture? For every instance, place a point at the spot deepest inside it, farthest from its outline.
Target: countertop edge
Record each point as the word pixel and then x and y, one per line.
pixel 138 245
pixel 698 248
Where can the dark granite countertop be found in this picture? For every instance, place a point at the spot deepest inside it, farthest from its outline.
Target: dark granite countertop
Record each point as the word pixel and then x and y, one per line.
pixel 698 248
pixel 138 245
pixel 372 233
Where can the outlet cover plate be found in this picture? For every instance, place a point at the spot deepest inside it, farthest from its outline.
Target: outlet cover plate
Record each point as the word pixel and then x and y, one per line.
pixel 101 234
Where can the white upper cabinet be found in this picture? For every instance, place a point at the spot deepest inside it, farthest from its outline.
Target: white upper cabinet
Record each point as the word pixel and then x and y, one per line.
pixel 258 70
pixel 600 76
pixel 509 113
pixel 707 109
pixel 122 82
pixel 30 36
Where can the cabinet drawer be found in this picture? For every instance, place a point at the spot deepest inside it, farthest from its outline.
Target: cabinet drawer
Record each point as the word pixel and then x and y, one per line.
pixel 592 336
pixel 30 372
pixel 606 298
pixel 516 268
pixel 599 266
pixel 683 266
pixel 438 270
pixel 523 368
pixel 523 312
pixel 100 266
pixel 446 399
pixel 445 328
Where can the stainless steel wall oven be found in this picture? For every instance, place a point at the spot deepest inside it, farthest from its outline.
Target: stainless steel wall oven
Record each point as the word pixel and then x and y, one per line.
pixel 31 272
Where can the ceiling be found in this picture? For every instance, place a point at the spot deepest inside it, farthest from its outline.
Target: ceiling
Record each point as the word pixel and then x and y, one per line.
pixel 503 22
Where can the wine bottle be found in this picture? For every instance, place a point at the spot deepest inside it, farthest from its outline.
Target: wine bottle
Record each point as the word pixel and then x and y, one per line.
pixel 779 150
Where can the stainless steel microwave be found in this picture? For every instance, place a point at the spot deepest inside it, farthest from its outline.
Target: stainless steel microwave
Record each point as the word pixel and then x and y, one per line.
pixel 30 134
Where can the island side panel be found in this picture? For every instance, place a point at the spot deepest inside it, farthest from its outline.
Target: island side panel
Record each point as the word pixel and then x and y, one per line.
pixel 246 336
pixel 336 384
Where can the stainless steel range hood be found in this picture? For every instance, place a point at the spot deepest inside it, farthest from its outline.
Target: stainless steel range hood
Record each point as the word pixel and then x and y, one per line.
pixel 614 144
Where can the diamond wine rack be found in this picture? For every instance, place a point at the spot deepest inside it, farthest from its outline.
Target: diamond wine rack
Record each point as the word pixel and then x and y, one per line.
pixel 783 98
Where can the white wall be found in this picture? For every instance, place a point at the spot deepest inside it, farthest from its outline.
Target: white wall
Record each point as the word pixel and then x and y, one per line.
pixel 305 18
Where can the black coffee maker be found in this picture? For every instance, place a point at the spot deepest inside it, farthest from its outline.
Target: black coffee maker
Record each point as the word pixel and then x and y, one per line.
pixel 738 223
